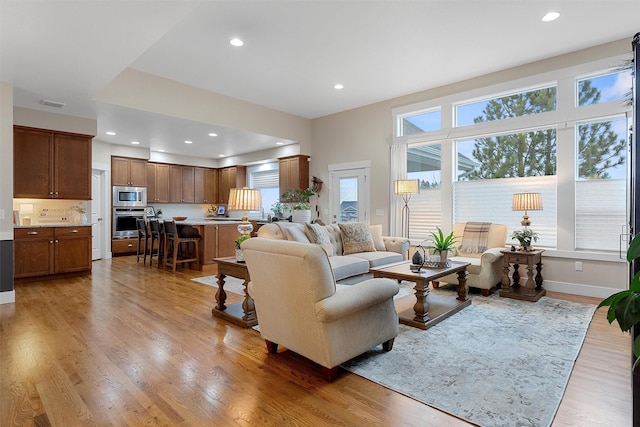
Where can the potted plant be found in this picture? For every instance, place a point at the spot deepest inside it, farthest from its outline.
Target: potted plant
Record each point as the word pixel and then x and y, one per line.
pixel 442 244
pixel 298 199
pixel 525 237
pixel 280 210
pixel 80 216
pixel 624 306
pixel 238 242
pixel 159 213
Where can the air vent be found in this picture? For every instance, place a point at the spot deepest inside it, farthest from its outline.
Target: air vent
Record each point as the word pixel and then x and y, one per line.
pixel 52 103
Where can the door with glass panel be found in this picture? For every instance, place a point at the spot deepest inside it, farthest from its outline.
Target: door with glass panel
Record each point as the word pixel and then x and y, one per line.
pixel 349 195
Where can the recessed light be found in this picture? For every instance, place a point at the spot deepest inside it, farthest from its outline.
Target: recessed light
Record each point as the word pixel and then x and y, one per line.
pixel 160 151
pixel 188 142
pixel 236 42
pixel 220 155
pixel 338 86
pixel 135 142
pixel 551 16
pixel 110 133
pixel 213 134
pixel 279 143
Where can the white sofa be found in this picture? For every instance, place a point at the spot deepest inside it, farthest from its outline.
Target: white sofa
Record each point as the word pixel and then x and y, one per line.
pixel 485 271
pixel 300 306
pixel 347 269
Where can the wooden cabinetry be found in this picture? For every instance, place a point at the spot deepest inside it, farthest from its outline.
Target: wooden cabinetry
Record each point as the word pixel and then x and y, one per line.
pixel 157 183
pixel 175 184
pixel 124 246
pixel 206 185
pixel 49 164
pixel 228 178
pixel 128 171
pixel 188 184
pixel 42 251
pixel 294 172
pixel 217 241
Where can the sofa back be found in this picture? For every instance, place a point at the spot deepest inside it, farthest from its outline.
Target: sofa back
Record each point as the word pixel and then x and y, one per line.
pixel 297 232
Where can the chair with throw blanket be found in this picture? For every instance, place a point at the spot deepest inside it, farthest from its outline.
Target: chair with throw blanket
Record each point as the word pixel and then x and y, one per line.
pixel 479 243
pixel 300 306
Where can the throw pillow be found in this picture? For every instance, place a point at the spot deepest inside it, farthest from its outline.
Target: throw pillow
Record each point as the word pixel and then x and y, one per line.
pixel 376 234
pixel 320 236
pixel 356 237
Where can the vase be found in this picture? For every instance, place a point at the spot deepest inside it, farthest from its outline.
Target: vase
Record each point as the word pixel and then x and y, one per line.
pixel 239 255
pixel 301 216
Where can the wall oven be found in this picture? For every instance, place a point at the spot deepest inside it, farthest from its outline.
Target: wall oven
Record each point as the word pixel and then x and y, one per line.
pixel 124 221
pixel 129 196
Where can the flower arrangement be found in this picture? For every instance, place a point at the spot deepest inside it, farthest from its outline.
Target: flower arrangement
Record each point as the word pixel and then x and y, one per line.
pixel 80 208
pixel 238 241
pixel 525 236
pixel 299 199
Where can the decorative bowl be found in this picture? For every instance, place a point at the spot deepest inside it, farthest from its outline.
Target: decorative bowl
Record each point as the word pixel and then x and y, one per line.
pixel 179 218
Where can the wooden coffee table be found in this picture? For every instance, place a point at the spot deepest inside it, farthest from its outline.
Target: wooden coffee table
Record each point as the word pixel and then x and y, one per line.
pixel 429 309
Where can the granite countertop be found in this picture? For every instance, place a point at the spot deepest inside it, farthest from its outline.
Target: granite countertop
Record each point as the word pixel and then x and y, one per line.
pixel 62 224
pixel 207 221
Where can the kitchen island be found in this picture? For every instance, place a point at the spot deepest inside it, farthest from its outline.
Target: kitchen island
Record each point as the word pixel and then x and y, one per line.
pixel 217 237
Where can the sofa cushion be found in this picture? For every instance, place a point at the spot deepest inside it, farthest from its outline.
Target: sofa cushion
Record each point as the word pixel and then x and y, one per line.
pixel 376 235
pixel 346 266
pixel 356 238
pixel 378 258
pixel 474 268
pixel 319 235
pixel 296 233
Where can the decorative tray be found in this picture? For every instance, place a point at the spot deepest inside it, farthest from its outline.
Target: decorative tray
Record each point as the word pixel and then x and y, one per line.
pixel 430 264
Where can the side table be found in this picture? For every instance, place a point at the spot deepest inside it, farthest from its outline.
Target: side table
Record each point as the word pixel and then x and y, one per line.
pixel 532 290
pixel 242 314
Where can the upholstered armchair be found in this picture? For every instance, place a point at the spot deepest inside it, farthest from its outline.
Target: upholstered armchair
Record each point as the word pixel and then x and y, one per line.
pixel 299 305
pixel 485 271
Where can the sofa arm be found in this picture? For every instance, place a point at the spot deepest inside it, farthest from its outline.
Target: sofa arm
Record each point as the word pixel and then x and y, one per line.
pixel 354 298
pixel 397 244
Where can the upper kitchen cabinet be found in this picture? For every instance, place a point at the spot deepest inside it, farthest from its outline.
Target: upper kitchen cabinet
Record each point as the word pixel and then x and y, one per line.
pixel 228 178
pixel 51 164
pixel 206 185
pixel 127 171
pixel 157 183
pixel 294 172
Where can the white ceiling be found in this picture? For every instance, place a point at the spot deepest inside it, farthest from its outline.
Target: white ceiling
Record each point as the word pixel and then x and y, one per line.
pixel 294 52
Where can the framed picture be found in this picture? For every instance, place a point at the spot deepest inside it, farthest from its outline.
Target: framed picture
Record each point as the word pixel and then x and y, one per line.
pixel 220 210
pixel 151 212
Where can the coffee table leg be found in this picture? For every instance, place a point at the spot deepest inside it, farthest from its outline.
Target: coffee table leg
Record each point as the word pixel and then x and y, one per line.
pixel 421 307
pixel 248 306
pixel 221 295
pixel 462 285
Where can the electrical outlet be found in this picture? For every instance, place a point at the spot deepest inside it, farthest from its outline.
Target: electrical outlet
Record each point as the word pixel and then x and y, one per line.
pixel 578 265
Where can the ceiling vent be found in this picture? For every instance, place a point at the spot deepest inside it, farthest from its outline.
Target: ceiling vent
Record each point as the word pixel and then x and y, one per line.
pixel 52 103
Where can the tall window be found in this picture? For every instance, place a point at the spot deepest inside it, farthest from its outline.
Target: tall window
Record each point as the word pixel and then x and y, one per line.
pixel 266 179
pixel 424 164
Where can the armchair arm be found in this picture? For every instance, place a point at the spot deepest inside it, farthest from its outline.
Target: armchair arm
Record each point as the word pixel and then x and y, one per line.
pixel 491 255
pixel 491 267
pixel 351 299
pixel 397 244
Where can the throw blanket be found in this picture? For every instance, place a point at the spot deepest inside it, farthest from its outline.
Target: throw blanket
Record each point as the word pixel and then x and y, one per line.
pixel 474 237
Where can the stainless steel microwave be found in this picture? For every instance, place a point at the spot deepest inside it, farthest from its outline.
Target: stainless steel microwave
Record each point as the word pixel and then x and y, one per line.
pixel 129 196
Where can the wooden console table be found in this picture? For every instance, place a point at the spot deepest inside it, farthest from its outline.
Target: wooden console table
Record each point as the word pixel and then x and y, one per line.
pixel 242 314
pixel 532 290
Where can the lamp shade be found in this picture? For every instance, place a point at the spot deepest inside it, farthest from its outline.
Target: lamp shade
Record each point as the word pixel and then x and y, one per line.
pixel 406 186
pixel 244 199
pixel 526 202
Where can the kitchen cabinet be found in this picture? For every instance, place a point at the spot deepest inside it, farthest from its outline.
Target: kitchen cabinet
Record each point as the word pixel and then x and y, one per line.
pixel 188 184
pixel 217 241
pixel 175 184
pixel 128 171
pixel 43 251
pixel 206 185
pixel 50 164
pixel 294 172
pixel 157 183
pixel 228 178
pixel 124 246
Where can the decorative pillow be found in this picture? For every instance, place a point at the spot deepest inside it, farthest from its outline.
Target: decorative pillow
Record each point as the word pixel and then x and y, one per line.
pixel 376 234
pixel 320 236
pixel 356 237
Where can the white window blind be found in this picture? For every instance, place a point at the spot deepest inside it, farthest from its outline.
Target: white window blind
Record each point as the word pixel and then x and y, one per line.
pixel 601 212
pixel 265 179
pixel 426 214
pixel 490 200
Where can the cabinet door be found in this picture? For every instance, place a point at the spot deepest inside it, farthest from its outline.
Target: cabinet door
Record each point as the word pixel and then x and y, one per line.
pixel 119 171
pixel 138 172
pixel 32 166
pixel 188 184
pixel 209 241
pixel 224 185
pixel 151 183
pixel 162 183
pixel 33 252
pixel 72 249
pixel 199 175
pixel 211 186
pixel 227 234
pixel 175 184
pixel 72 167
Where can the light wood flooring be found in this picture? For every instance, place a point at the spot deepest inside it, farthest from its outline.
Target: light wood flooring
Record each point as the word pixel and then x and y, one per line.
pixel 132 345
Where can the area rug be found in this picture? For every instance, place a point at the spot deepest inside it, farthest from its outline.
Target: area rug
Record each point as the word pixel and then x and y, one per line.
pixel 498 362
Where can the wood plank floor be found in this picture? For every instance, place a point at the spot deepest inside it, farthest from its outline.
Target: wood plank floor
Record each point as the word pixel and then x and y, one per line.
pixel 132 345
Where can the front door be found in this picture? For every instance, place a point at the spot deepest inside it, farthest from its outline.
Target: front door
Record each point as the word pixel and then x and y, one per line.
pixel 349 193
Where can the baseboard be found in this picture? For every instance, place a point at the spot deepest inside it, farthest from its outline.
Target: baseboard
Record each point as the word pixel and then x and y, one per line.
pixel 577 289
pixel 8 297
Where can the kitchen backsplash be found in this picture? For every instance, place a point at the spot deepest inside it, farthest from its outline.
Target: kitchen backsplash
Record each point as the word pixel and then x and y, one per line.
pixel 45 211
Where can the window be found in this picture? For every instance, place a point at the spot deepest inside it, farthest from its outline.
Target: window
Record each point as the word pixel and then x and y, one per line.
pixel 604 88
pixel 424 164
pixel 266 179
pixel 424 121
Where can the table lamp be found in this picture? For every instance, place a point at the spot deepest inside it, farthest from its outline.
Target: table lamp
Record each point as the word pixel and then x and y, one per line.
pixel 244 199
pixel 526 202
pixel 405 188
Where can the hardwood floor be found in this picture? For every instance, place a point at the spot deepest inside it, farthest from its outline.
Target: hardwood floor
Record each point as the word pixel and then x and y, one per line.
pixel 132 345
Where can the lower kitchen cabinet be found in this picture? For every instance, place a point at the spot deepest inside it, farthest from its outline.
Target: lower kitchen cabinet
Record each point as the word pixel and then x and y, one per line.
pixel 217 241
pixel 124 246
pixel 44 251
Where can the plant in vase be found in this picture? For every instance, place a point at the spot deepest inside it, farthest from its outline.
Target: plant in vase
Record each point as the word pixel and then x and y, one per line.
pixel 80 216
pixel 159 213
pixel 525 237
pixel 299 201
pixel 442 244
pixel 280 210
pixel 238 242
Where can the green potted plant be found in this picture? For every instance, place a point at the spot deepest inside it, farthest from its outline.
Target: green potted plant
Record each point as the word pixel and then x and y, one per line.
pixel 624 306
pixel 298 199
pixel 280 210
pixel 238 242
pixel 442 244
pixel 525 237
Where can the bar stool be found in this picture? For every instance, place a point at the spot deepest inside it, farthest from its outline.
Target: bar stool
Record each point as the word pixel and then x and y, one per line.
pixel 156 236
pixel 174 243
pixel 143 236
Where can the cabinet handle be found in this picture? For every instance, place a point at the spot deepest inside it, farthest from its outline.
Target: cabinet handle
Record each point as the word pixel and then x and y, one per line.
pixel 32 233
pixel 57 240
pixel 130 245
pixel 73 231
pixel 51 241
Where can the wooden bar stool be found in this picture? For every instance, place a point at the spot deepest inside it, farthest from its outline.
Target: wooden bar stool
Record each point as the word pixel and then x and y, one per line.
pixel 143 240
pixel 177 250
pixel 156 236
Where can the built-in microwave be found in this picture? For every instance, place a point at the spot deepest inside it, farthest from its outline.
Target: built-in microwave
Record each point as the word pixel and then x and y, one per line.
pixel 129 196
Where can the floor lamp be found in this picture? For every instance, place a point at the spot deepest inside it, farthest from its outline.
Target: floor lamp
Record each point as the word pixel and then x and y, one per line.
pixel 405 188
pixel 244 199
